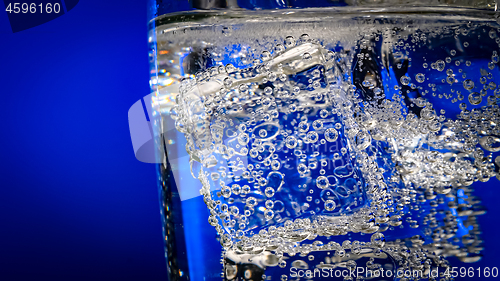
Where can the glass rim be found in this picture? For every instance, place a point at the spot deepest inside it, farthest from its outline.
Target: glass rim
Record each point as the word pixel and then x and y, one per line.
pixel 158 8
pixel 195 15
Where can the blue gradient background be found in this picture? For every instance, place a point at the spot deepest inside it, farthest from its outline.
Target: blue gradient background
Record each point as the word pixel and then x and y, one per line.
pixel 75 204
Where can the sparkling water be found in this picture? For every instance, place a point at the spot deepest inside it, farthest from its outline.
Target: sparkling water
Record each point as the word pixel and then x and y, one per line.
pixel 325 141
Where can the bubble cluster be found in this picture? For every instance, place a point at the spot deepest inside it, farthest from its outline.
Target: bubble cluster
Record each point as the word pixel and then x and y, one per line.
pixel 313 142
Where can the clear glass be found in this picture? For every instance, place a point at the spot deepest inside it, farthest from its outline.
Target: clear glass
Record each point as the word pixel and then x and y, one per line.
pixel 304 142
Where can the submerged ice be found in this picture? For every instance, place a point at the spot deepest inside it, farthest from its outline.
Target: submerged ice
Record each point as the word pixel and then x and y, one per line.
pixel 311 143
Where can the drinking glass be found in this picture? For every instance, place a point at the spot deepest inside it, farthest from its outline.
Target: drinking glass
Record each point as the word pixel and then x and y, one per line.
pixel 344 140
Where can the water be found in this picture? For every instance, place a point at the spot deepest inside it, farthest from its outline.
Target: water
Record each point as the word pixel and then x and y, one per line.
pixel 325 142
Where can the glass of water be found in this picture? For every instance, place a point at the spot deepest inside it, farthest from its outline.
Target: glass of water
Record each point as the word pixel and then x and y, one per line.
pixel 301 140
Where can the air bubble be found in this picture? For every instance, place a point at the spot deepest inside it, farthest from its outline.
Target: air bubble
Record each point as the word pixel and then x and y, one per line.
pixel 226 191
pixel 303 126
pixel 331 134
pixel 301 168
pixel 440 65
pixel 228 81
pixel 490 143
pixel 330 55
pixel 405 80
pixel 279 48
pixel 492 34
pixel 243 88
pixel 475 98
pixel 289 41
pixel 420 77
pixel 291 142
pixel 468 84
pixel 312 137
pixel 304 38
pixel 322 182
pixel 269 192
pixel 266 56
pixel 378 240
pixel 330 205
pixel 230 68
pixel 317 124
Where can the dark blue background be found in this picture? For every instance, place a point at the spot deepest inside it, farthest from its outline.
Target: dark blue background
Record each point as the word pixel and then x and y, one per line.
pixel 75 204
